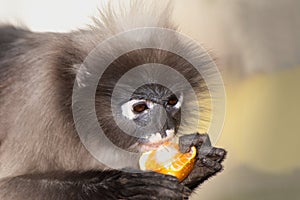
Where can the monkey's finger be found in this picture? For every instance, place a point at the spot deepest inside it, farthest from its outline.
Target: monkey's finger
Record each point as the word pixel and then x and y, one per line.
pixel 150 177
pixel 161 182
pixel 196 139
pixel 211 164
pixel 217 154
pixel 154 175
pixel 157 183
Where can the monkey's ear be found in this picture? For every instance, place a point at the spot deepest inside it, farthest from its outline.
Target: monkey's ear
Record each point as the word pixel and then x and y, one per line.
pixel 82 74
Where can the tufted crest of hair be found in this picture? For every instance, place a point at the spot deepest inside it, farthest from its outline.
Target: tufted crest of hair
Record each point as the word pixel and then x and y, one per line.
pixel 119 16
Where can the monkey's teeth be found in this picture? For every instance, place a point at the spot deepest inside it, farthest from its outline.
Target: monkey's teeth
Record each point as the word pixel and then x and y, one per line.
pixel 155 138
pixel 170 133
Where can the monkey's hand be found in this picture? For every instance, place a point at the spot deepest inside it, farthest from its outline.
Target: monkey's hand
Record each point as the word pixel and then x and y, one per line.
pixel 208 158
pixel 144 185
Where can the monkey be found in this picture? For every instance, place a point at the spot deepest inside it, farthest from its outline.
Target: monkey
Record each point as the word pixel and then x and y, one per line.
pixel 42 155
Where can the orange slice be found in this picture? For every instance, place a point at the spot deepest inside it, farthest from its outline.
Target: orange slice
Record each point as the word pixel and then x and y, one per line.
pixel 167 159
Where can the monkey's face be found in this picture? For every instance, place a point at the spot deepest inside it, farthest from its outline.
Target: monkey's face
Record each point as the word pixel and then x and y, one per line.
pixel 140 106
pixel 146 119
pixel 155 113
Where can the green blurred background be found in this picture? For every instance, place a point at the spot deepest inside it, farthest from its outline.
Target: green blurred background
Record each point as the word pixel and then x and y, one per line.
pixel 257 45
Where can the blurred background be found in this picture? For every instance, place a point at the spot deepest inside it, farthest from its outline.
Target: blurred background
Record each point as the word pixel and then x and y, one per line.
pixel 257 45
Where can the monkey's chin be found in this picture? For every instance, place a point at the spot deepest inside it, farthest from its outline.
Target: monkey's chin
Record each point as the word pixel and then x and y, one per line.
pixel 155 141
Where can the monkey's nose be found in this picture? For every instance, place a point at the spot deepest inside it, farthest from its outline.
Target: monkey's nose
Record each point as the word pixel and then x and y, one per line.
pixel 163 131
pixel 169 125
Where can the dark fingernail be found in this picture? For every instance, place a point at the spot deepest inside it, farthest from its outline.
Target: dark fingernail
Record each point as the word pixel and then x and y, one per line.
pixel 221 152
pixel 218 167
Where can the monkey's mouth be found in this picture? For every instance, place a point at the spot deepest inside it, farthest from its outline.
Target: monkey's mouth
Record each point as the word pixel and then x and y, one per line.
pixel 155 140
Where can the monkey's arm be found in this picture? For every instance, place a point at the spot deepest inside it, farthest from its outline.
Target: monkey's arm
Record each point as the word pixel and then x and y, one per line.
pixel 92 185
pixel 208 161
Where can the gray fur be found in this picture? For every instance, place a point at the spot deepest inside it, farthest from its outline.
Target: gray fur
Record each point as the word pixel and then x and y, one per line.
pixel 37 73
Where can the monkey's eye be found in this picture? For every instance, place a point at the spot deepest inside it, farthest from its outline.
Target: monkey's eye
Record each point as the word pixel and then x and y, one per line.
pixel 172 101
pixel 140 107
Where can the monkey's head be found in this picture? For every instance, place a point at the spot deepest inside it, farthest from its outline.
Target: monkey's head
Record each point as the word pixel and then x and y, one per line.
pixel 146 97
pixel 149 87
